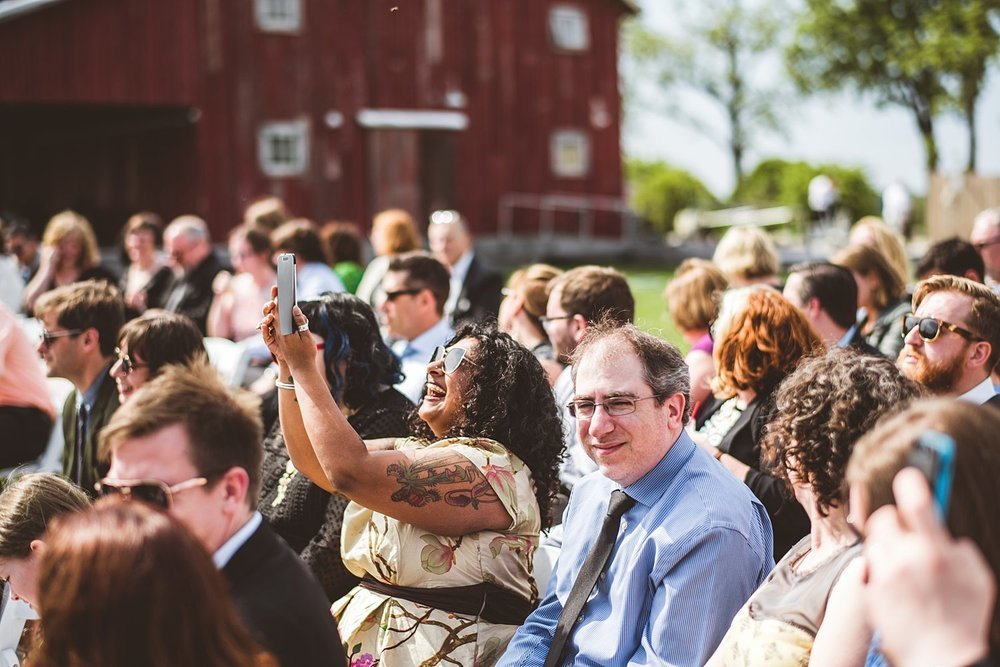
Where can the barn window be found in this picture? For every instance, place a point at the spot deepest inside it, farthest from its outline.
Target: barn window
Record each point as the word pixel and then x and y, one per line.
pixel 278 15
pixel 570 154
pixel 568 28
pixel 284 148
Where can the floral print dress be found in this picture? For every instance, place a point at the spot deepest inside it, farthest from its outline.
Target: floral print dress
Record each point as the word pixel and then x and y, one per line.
pixel 388 632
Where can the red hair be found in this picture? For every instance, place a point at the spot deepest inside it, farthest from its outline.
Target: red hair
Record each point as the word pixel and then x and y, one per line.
pixel 765 341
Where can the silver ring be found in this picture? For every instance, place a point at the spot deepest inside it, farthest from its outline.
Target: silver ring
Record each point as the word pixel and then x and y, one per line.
pixel 304 327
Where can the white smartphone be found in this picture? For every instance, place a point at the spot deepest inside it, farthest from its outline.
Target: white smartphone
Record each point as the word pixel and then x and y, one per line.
pixel 286 292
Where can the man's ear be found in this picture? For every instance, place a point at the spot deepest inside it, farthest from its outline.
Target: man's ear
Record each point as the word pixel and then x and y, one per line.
pixel 235 484
pixel 579 327
pixel 813 307
pixel 90 338
pixel 980 356
pixel 674 405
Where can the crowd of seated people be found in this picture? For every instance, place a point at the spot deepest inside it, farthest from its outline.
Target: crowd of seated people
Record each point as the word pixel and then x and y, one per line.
pixel 747 501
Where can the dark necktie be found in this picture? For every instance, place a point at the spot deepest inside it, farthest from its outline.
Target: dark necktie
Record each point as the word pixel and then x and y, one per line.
pixel 589 573
pixel 82 422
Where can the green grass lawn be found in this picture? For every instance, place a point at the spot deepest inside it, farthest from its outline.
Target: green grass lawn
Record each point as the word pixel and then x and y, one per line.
pixel 647 285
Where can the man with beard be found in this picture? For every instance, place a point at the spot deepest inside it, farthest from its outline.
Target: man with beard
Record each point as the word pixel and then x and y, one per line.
pixel 953 339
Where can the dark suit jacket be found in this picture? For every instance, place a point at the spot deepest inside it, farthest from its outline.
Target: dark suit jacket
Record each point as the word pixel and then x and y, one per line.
pixel 282 604
pixel 192 294
pixel 92 471
pixel 789 520
pixel 480 297
pixel 994 401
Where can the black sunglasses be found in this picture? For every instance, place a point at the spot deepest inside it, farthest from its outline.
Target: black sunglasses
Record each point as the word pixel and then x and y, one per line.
pixel 49 336
pixel 453 358
pixel 929 328
pixel 392 296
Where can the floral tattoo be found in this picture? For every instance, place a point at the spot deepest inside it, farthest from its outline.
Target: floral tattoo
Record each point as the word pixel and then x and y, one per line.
pixel 419 483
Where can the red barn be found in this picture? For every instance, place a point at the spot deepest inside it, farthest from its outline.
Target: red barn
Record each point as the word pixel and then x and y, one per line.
pixel 507 110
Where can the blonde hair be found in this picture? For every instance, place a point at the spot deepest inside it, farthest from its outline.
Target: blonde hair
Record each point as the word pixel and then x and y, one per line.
pixel 532 283
pixel 394 232
pixel 867 261
pixel 887 242
pixel 693 295
pixel 69 222
pixel 746 254
pixel 29 504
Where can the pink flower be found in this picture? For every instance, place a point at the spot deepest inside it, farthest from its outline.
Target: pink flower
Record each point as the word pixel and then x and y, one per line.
pixel 363 660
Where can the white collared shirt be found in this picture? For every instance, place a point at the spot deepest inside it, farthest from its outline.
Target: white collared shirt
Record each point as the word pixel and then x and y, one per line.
pixel 981 393
pixel 224 553
pixel 458 274
pixel 415 362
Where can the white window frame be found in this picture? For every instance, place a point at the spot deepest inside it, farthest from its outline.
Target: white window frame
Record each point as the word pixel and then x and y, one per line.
pixel 569 153
pixel 283 16
pixel 569 28
pixel 294 137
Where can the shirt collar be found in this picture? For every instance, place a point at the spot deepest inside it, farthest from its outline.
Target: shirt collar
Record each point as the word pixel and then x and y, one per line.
pixel 981 393
pixel 650 487
pixel 845 340
pixel 89 397
pixel 461 267
pixel 224 553
pixel 436 335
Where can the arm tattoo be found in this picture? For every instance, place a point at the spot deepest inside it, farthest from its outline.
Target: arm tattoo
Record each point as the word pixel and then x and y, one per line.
pixel 419 482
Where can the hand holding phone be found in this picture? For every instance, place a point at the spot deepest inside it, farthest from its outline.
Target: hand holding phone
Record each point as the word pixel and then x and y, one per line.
pixel 286 292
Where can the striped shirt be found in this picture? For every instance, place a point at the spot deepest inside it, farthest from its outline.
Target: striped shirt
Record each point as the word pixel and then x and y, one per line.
pixel 689 554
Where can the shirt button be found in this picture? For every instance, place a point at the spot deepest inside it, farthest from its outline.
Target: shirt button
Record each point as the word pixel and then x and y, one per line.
pixel 624 524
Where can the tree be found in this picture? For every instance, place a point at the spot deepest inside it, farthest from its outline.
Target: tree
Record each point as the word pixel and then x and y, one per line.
pixel 904 52
pixel 718 54
pixel 660 191
pixel 968 35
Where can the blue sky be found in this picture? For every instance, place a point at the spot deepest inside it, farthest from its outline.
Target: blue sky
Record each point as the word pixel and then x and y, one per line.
pixel 843 128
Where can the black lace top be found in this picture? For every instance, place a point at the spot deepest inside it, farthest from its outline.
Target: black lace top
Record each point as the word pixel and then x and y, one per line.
pixel 306 516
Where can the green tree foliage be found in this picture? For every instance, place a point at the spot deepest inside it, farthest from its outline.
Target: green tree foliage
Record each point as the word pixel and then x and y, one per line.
pixel 918 54
pixel 660 191
pixel 716 53
pixel 783 183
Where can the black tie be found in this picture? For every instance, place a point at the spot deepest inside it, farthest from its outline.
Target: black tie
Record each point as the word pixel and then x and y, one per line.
pixel 589 573
pixel 82 422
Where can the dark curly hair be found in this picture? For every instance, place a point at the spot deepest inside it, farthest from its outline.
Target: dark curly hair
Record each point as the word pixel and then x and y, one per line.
pixel 349 331
pixel 822 409
pixel 510 401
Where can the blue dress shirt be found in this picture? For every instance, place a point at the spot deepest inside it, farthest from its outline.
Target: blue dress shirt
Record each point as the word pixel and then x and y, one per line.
pixel 689 554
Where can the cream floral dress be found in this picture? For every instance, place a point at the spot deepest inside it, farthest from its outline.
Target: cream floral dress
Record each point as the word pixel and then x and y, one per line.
pixel 391 632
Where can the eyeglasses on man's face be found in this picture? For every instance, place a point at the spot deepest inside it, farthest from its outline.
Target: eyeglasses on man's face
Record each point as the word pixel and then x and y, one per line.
pixel 930 328
pixel 48 336
pixel 546 320
pixel 453 358
pixel 618 406
pixel 127 363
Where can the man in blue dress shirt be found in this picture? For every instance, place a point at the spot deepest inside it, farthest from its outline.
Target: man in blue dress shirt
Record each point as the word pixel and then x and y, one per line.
pixel 688 553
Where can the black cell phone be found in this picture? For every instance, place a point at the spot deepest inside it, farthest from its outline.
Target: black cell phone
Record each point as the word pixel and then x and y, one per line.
pixel 934 456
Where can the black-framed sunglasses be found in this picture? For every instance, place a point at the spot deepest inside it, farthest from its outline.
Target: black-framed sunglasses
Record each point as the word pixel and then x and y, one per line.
pixel 412 291
pixel 618 406
pixel 152 491
pixel 453 358
pixel 929 328
pixel 48 336
pixel 128 364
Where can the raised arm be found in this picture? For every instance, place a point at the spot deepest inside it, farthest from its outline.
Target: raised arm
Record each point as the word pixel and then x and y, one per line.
pixel 435 489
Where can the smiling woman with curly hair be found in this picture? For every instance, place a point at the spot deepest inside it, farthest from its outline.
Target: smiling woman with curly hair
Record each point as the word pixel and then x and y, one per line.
pixel 442 526
pixel 809 610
